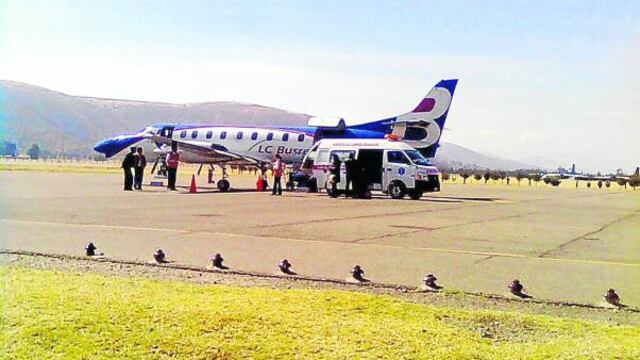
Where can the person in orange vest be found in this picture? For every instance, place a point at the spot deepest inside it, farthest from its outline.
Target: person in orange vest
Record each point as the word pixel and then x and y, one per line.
pixel 278 168
pixel 173 158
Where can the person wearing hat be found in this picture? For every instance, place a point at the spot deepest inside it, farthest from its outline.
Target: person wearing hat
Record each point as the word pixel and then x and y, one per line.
pixel 127 164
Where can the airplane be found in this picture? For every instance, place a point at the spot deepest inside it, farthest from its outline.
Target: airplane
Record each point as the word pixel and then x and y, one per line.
pixel 563 174
pixel 257 146
pixel 572 174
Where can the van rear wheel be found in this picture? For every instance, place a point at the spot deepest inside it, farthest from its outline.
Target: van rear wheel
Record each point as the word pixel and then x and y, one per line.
pixel 397 190
pixel 415 194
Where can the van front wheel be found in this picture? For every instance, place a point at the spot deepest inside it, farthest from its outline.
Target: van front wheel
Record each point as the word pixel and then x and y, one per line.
pixel 397 190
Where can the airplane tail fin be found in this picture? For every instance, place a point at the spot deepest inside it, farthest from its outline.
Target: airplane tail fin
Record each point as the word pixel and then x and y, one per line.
pixel 421 127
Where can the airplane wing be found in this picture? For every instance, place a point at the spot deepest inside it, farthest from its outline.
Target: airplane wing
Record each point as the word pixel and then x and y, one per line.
pixel 213 153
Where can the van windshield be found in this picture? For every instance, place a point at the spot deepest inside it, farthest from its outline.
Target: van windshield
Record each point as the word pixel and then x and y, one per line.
pixel 416 157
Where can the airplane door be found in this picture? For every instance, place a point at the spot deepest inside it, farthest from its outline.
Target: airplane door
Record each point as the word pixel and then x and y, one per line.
pixel 395 168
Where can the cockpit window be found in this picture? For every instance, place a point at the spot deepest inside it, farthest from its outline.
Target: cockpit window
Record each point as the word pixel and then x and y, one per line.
pixel 416 157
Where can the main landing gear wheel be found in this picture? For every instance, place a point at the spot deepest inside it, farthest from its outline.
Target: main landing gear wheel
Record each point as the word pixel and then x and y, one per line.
pixel 397 190
pixel 223 185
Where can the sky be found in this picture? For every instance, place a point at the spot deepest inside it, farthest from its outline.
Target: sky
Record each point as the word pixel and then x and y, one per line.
pixel 546 82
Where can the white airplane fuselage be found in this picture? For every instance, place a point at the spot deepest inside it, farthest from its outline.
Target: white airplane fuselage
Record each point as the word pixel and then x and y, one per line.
pixel 261 144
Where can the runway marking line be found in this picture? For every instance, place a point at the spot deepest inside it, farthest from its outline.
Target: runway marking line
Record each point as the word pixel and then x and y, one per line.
pixel 443 250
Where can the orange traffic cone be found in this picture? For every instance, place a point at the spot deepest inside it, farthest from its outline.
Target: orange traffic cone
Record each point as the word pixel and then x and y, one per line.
pixel 192 188
pixel 260 184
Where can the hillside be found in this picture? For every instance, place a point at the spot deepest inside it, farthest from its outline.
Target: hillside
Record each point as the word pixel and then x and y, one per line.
pixel 456 156
pixel 62 123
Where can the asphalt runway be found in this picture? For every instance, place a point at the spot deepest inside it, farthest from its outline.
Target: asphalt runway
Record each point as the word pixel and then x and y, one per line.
pixel 562 243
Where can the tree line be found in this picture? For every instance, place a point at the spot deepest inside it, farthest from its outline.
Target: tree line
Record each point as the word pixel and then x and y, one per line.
pixel 531 176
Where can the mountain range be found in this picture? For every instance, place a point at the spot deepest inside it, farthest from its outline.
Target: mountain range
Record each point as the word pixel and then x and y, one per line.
pixel 61 123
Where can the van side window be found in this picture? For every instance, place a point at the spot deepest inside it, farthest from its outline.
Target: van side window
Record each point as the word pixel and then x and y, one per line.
pixel 183 134
pixel 239 135
pixel 323 157
pixel 397 157
pixel 254 136
pixel 209 134
pixel 194 134
pixel 223 135
pixel 342 154
pixel 285 137
pixel 269 136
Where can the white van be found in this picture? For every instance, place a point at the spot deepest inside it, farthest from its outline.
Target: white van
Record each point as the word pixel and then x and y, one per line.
pixel 392 167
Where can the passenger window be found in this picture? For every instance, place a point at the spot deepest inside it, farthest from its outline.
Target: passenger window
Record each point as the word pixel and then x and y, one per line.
pixel 223 135
pixel 254 136
pixel 209 134
pixel 285 137
pixel 194 134
pixel 183 134
pixel 239 135
pixel 397 157
pixel 269 136
pixel 301 137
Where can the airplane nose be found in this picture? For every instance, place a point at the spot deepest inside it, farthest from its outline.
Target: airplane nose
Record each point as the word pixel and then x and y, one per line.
pixel 114 145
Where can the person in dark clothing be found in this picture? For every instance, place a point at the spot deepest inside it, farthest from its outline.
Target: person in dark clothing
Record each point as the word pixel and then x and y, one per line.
pixel 127 164
pixel 335 171
pixel 138 168
pixel 361 181
pixel 351 167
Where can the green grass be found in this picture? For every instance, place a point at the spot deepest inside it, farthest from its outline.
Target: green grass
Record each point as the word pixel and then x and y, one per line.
pixel 49 314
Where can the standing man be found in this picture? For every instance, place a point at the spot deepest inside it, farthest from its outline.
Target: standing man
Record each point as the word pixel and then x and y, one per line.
pixel 141 162
pixel 278 168
pixel 335 171
pixel 127 164
pixel 173 158
pixel 351 167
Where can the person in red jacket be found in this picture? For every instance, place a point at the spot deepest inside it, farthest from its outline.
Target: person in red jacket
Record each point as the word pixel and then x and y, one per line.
pixel 278 169
pixel 173 158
